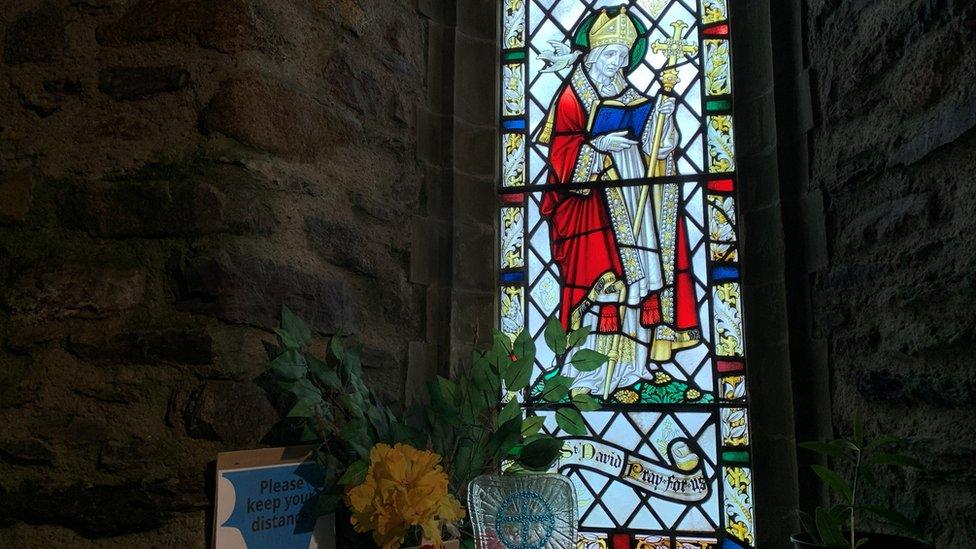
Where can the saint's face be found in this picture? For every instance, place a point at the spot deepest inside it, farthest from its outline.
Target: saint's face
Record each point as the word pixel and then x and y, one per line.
pixel 611 60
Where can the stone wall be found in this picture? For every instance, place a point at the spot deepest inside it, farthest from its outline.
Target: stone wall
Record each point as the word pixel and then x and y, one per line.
pixel 892 163
pixel 171 173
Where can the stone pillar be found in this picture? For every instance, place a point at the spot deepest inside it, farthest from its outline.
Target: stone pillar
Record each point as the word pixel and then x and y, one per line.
pixel 764 291
pixel 475 267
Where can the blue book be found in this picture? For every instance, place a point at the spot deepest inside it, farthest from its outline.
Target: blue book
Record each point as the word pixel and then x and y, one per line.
pixel 611 118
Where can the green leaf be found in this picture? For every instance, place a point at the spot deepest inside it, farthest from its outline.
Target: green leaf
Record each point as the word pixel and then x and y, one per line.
pixel 355 474
pixel 531 425
pixel 588 360
pixel 845 444
pixel 570 421
pixel 808 524
pixel 288 340
pixel 585 403
pixel 892 517
pixel 295 327
pixel 352 361
pixel 540 454
pixel 556 388
pixel 469 461
pixel 882 441
pixel 502 340
pixel 901 460
pixel 578 336
pixel 354 404
pixel 510 411
pixel 309 434
pixel 524 346
pixel 828 528
pixel 378 420
pixel 290 365
pixel 304 408
pixel 356 435
pixel 555 336
pixel 827 448
pixel 327 503
pixel 835 481
pixel 860 542
pixel 324 373
pixel 305 390
pixel 518 374
pixel 840 512
pixel 487 382
pixel 507 436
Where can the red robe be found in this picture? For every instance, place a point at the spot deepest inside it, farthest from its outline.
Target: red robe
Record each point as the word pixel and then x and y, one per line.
pixel 583 241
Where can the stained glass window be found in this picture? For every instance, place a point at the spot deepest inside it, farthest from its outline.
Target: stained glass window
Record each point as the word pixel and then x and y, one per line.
pixel 617 211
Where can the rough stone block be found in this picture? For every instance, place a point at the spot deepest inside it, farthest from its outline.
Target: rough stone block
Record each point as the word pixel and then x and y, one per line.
pixel 475 199
pixel 478 18
pixel 345 245
pixel 29 451
pixel 15 198
pixel 474 149
pixel 251 290
pixel 36 37
pixel 77 290
pixel 228 26
pixel 234 412
pixel 475 80
pixel 130 83
pixel 168 201
pixel 270 116
pixel 176 345
pixel 474 257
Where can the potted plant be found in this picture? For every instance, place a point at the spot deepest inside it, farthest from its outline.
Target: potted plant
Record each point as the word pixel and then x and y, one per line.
pixel 838 525
pixel 474 424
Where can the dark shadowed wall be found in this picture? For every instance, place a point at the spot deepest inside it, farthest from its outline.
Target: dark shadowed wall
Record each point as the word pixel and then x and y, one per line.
pixel 171 173
pixel 893 298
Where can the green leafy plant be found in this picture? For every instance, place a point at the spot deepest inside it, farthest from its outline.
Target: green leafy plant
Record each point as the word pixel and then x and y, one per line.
pixel 861 457
pixel 336 406
pixel 474 421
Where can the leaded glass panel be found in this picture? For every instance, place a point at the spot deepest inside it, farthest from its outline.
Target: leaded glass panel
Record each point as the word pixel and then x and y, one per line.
pixel 618 174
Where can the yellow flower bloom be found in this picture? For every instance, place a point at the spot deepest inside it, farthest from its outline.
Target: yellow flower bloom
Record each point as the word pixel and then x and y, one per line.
pixel 404 488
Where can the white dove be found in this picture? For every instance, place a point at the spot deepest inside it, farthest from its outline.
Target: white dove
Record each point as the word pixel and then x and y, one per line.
pixel 562 57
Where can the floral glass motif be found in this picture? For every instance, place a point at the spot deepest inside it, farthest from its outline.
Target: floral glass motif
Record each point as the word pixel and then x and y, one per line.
pixel 523 512
pixel 617 150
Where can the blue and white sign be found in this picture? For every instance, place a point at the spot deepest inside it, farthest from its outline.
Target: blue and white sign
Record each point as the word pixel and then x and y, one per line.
pixel 270 506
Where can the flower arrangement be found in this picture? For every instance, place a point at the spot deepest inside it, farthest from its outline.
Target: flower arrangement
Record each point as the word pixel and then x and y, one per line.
pixel 404 488
pixel 401 475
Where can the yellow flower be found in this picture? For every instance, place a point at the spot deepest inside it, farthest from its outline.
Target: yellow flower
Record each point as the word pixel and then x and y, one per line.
pixel 404 488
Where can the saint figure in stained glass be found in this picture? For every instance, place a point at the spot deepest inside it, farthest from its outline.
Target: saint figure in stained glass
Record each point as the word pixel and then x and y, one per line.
pixel 622 251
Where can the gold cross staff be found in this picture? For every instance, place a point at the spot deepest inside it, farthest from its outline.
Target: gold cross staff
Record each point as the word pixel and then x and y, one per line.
pixel 676 49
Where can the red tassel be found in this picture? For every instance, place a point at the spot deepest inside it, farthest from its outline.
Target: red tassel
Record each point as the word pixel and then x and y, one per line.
pixel 609 319
pixel 651 311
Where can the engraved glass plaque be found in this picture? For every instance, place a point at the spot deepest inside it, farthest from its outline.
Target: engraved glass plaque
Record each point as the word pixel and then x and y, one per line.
pixel 523 512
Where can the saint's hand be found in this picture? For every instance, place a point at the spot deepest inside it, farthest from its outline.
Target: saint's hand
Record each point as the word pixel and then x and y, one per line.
pixel 613 142
pixel 666 106
pixel 669 141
